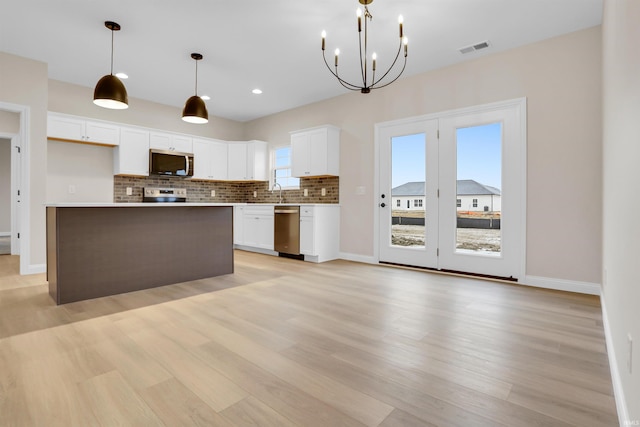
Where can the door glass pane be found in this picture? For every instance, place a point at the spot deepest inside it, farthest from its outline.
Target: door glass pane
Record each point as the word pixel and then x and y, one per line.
pixel 479 183
pixel 408 196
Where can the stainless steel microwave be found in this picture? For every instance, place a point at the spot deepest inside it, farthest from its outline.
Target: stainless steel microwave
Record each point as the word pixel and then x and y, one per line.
pixel 170 163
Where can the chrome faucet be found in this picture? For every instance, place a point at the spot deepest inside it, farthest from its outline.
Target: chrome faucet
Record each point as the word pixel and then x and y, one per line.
pixel 274 187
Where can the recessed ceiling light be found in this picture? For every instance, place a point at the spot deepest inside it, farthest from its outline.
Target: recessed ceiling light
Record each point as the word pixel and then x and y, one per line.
pixel 122 75
pixel 256 91
pixel 205 97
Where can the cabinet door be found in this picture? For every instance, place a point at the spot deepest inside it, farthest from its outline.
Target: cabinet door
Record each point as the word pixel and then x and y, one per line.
pixel 257 161
pixel 160 141
pixel 218 156
pixel 318 152
pixel 131 157
pixel 65 128
pixel 306 236
pixel 266 232
pixel 102 133
pixel 201 159
pixel 251 233
pixel 237 161
pixel 181 144
pixel 300 155
pixel 238 225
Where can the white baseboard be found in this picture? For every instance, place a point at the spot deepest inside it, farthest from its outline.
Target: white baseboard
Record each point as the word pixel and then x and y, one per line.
pixel 36 269
pixel 357 258
pixel 562 285
pixel 254 249
pixel 5 234
pixel 618 391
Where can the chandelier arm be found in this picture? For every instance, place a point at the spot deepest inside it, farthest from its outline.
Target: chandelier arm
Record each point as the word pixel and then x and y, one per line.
pixel 396 78
pixel 335 74
pixel 391 67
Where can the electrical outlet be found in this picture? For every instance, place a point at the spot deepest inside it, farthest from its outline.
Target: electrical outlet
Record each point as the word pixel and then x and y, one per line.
pixel 306 192
pixel 630 355
pixel 213 193
pixel 255 194
pixel 129 191
pixel 323 192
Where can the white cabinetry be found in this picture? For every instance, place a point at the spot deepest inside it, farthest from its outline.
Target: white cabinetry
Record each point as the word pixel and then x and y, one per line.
pixel 210 159
pixel 247 161
pixel 319 232
pixel 258 227
pixel 238 225
pixel 315 152
pixel 67 128
pixel 131 157
pixel 171 142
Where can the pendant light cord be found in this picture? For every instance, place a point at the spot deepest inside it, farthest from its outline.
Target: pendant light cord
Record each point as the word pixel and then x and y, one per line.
pixel 196 77
pixel 111 51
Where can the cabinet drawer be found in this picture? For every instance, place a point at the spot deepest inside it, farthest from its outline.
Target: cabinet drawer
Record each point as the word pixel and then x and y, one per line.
pixel 258 210
pixel 306 211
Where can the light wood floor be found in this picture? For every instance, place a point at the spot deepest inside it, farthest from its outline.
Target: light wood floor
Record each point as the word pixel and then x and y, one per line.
pixel 287 343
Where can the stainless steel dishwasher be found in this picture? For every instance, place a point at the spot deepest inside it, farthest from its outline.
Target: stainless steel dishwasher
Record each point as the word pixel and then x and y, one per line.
pixel 287 229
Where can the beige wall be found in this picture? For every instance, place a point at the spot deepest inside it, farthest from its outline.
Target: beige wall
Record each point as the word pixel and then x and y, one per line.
pixel 621 153
pixel 560 78
pixel 9 122
pixel 24 82
pixel 88 168
pixel 5 186
pixel 78 100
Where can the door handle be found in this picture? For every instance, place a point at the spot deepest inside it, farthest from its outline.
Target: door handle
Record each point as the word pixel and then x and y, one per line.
pixel 382 205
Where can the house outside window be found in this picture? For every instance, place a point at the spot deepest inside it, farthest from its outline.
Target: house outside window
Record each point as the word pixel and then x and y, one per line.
pixel 417 203
pixel 282 169
pixel 398 203
pixel 475 203
pixel 458 203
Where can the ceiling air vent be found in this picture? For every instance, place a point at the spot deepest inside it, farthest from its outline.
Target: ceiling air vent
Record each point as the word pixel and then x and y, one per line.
pixel 474 47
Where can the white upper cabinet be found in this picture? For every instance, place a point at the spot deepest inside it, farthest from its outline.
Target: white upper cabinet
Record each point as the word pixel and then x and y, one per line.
pixel 248 161
pixel 131 157
pixel 171 142
pixel 66 128
pixel 210 159
pixel 315 152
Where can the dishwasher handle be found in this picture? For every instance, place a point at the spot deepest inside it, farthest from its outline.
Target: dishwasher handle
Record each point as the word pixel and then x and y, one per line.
pixel 286 211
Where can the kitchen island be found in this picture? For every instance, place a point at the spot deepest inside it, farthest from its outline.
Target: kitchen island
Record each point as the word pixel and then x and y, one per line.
pixel 96 250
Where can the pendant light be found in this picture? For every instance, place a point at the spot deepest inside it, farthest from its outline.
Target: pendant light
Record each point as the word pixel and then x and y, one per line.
pixel 195 111
pixel 110 91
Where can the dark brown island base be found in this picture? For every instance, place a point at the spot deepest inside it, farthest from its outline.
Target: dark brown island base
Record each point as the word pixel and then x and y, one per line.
pixel 96 251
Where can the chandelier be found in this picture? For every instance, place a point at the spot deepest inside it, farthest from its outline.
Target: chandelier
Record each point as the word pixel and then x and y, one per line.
pixel 368 83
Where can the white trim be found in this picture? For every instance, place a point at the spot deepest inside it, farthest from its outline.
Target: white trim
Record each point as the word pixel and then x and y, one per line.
pixel 35 269
pixel 23 140
pixel 254 249
pixel 618 390
pixel 5 234
pixel 561 285
pixel 358 258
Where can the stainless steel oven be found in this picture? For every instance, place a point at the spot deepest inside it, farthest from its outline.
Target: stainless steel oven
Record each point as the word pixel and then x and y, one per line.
pixel 287 229
pixel 164 195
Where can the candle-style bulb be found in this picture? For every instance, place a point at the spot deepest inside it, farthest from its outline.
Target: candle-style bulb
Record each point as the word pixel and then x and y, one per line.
pixel 374 57
pixel 337 54
pixel 406 43
pixel 359 15
pixel 324 36
pixel 400 22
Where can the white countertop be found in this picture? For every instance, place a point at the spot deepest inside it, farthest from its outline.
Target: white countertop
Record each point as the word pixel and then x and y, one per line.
pixel 164 205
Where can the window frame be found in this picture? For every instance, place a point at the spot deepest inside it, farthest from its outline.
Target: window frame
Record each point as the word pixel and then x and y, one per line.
pixel 272 176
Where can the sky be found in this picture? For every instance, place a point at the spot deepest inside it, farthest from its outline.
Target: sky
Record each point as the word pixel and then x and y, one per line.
pixel 479 156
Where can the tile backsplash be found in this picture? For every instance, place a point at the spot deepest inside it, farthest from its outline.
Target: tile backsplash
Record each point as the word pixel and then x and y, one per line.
pixel 229 191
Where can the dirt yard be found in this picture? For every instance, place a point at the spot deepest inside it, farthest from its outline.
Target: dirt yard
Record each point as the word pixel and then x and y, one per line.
pixel 473 239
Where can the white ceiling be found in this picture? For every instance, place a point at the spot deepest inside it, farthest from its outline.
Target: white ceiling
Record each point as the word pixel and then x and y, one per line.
pixel 270 44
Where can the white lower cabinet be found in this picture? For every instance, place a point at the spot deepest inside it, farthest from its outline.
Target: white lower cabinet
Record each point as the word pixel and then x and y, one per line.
pixel 319 232
pixel 254 227
pixel 253 230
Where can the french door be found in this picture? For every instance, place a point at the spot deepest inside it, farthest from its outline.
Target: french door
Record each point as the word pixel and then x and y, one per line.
pixel 451 190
